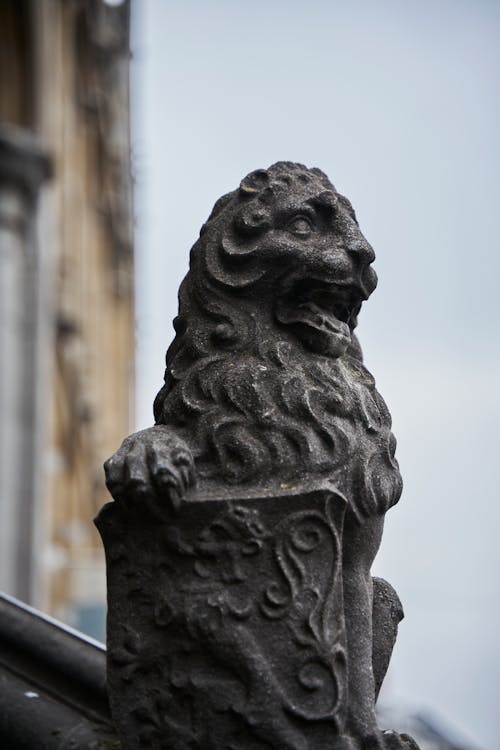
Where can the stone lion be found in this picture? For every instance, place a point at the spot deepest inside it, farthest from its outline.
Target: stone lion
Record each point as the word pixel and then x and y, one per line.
pixel 265 387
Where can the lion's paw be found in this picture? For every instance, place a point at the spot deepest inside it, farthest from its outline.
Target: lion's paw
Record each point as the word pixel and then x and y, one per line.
pixel 153 466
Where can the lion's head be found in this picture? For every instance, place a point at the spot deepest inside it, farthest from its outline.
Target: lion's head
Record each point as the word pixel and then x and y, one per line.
pixel 264 377
pixel 288 245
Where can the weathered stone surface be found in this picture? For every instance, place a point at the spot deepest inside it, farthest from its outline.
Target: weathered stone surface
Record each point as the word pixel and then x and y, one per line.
pixel 235 614
pixel 246 520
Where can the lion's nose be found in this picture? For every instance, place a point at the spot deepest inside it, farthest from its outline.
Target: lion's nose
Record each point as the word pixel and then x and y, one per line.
pixel 361 250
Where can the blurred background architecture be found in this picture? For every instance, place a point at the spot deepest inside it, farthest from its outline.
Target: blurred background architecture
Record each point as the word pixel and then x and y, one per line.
pixel 66 298
pixel 398 104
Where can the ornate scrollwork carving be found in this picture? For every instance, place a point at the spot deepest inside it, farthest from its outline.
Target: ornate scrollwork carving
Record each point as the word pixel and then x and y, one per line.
pixel 245 619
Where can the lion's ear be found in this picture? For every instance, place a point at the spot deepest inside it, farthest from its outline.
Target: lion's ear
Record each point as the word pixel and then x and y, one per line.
pixel 254 182
pixel 219 206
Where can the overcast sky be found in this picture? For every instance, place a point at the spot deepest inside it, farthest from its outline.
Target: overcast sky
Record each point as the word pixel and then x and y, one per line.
pixel 398 102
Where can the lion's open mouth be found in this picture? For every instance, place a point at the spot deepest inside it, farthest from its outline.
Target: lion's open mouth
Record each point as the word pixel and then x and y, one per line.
pixel 321 312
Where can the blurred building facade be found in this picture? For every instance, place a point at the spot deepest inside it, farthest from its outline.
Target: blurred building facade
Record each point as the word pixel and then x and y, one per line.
pixel 66 294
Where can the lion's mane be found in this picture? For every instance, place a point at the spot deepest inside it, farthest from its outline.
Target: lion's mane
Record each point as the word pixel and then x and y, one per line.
pixel 255 406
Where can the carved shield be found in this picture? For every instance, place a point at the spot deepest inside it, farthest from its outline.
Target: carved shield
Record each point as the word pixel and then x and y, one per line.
pixel 225 623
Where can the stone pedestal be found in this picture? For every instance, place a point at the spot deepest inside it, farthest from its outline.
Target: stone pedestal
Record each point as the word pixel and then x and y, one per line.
pixel 226 625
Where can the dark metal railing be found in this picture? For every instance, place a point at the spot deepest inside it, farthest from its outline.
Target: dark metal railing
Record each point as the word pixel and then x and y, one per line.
pixel 52 684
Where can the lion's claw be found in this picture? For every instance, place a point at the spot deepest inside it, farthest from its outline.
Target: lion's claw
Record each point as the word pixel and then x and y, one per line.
pixel 154 466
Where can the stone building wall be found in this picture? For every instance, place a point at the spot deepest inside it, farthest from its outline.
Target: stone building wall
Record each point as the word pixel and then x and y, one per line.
pixel 71 60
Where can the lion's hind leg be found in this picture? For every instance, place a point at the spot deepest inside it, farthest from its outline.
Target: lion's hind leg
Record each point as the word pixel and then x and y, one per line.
pixel 387 613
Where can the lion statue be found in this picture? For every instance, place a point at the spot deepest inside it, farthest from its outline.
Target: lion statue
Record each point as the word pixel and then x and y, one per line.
pixel 265 387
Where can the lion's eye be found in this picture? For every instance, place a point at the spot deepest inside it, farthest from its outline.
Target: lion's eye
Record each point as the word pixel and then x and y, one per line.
pixel 300 225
